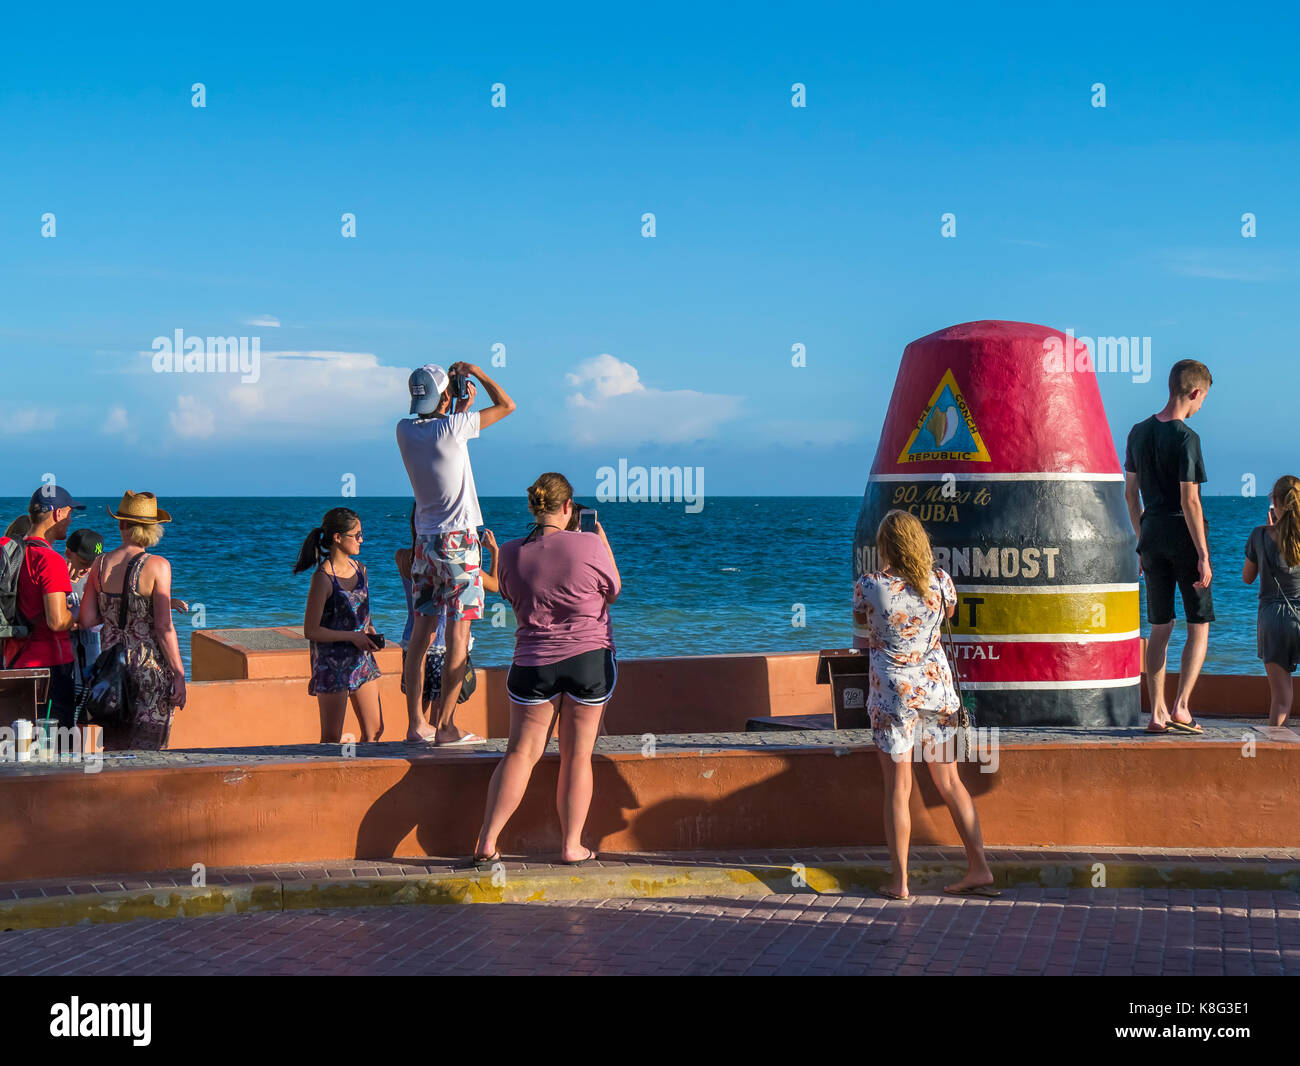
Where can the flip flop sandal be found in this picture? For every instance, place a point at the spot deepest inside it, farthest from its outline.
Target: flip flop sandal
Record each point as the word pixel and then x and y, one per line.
pixel 1157 732
pixel 984 891
pixel 430 739
pixel 884 893
pixel 1192 728
pixel 479 862
pixel 467 739
pixel 588 860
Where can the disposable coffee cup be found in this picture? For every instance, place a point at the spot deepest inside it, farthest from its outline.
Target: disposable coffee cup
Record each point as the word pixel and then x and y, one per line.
pixel 23 739
pixel 43 742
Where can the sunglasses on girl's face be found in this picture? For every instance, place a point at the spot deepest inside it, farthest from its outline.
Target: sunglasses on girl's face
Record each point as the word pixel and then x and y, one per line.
pixel 357 535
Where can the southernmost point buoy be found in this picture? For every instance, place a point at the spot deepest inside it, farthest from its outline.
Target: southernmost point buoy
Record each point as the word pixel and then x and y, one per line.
pixel 997 441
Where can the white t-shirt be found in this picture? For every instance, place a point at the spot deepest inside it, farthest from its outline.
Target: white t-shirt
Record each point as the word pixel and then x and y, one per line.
pixel 437 462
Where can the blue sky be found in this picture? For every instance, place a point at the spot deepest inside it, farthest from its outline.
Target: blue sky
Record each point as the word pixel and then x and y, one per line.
pixel 522 226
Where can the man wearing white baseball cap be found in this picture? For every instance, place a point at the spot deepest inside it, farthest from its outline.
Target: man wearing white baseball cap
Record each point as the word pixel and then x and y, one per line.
pixel 446 566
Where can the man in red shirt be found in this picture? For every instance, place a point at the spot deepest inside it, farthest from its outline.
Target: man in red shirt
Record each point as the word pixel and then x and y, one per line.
pixel 43 587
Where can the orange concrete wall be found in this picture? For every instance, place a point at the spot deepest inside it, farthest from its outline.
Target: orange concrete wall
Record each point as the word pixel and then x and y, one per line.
pixel 705 694
pixel 688 695
pixel 224 714
pixel 1153 792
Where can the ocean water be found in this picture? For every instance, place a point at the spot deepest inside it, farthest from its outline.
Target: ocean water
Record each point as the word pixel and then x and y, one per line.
pixel 728 579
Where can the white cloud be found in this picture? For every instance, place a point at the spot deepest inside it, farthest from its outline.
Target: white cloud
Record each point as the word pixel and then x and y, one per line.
pixel 263 320
pixel 295 396
pixel 610 376
pixel 26 420
pixel 116 422
pixel 610 404
pixel 192 419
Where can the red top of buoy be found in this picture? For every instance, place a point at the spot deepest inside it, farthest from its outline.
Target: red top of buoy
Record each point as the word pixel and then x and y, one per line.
pixel 996 397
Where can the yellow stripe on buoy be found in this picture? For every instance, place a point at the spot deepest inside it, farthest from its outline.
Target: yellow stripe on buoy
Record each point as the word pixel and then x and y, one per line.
pixel 1083 610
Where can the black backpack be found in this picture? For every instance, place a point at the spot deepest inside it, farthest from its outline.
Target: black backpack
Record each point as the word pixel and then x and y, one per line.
pixel 12 622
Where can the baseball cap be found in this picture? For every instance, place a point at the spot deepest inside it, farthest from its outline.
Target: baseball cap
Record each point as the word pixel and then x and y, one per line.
pixel 86 543
pixel 52 497
pixel 427 385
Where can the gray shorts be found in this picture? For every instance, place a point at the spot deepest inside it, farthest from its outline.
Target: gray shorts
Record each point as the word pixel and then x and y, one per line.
pixel 1279 635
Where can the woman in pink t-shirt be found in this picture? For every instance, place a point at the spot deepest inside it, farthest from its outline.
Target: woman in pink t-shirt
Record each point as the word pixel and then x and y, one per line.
pixel 560 582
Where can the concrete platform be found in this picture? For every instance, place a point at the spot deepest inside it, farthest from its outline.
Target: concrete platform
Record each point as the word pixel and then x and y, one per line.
pixel 1232 788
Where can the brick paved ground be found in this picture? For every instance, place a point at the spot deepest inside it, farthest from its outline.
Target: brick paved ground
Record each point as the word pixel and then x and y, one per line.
pixel 1029 931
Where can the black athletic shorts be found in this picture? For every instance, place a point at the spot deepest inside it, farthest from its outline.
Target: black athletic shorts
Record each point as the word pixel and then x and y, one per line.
pixel 1169 560
pixel 587 678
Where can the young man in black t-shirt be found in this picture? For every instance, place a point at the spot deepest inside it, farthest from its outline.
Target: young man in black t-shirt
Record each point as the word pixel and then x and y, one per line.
pixel 1163 464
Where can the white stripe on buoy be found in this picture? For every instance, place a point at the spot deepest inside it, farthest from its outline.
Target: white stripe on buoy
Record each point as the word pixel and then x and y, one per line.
pixel 1044 638
pixel 1030 638
pixel 1066 590
pixel 1109 682
pixel 966 476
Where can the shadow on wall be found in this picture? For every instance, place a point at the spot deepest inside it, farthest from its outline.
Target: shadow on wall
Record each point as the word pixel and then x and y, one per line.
pixel 808 802
pixel 447 818
pixel 670 803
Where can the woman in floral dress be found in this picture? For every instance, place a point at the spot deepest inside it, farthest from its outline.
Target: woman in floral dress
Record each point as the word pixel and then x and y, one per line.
pixel 155 673
pixel 898 612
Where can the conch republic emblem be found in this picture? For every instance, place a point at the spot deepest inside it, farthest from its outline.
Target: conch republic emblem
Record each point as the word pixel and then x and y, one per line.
pixel 1009 463
pixel 946 429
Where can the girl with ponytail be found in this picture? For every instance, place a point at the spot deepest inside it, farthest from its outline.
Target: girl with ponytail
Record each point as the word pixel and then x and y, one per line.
pixel 1273 553
pixel 337 623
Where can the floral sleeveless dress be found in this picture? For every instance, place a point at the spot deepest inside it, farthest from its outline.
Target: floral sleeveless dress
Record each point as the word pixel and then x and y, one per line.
pixel 149 676
pixel 911 699
pixel 339 666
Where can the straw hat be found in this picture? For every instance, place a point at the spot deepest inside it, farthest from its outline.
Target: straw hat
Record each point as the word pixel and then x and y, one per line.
pixel 141 508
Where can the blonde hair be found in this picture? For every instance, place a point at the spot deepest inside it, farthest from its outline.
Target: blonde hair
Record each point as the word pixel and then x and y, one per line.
pixel 141 534
pixel 549 493
pixel 1286 496
pixel 901 540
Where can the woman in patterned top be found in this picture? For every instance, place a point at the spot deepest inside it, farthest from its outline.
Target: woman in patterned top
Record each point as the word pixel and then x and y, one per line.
pixel 155 673
pixel 898 612
pixel 337 622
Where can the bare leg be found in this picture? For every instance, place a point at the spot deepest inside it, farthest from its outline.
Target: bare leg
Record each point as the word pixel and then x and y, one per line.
pixel 1157 647
pixel 579 726
pixel 453 676
pixel 370 712
pixel 1279 691
pixel 333 712
pixel 413 675
pixel 1198 639
pixel 527 742
pixel 898 816
pixel 962 808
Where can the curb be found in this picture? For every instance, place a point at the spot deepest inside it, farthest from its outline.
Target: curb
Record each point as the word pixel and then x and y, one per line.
pixel 617 882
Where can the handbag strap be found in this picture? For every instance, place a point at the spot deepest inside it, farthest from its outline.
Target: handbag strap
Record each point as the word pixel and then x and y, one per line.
pixel 951 649
pixel 952 657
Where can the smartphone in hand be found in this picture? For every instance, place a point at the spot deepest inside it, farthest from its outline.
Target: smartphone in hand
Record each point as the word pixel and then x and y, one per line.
pixel 377 639
pixel 587 520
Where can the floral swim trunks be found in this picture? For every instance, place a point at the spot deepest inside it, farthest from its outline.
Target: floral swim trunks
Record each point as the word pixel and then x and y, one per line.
pixel 447 574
